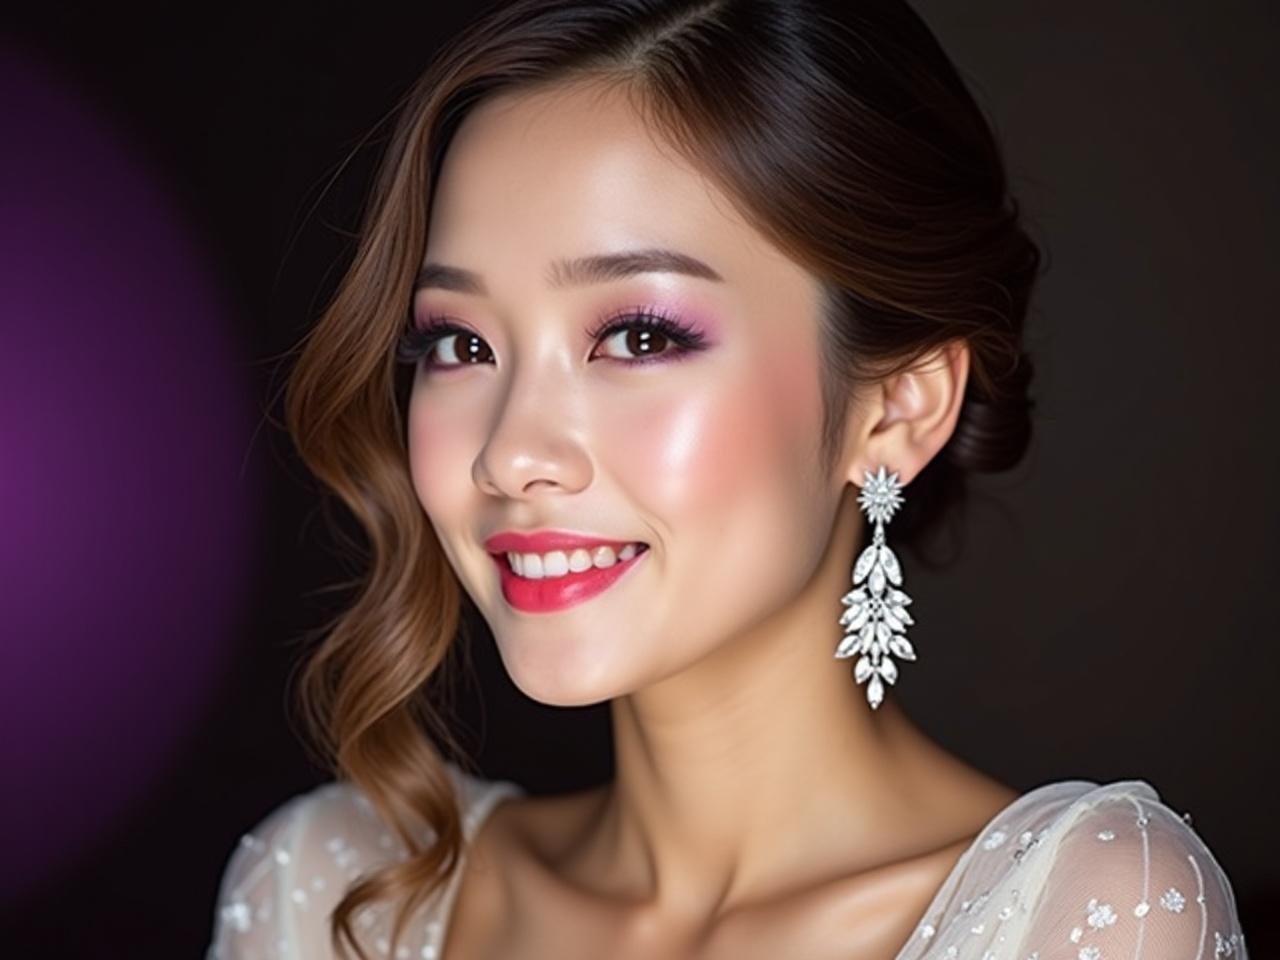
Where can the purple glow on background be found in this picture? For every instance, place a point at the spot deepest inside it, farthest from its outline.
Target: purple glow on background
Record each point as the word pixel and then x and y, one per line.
pixel 126 505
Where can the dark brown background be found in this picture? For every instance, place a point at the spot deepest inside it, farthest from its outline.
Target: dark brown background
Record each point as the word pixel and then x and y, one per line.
pixel 1114 615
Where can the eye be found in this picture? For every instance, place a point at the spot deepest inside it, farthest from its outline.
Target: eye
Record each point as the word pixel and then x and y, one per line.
pixel 459 345
pixel 643 333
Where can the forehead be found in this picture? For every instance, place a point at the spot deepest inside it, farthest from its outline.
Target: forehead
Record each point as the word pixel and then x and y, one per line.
pixel 574 170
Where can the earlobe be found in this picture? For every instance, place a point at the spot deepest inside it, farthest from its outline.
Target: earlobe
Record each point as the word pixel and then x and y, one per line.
pixel 911 415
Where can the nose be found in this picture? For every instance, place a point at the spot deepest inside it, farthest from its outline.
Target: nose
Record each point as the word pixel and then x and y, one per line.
pixel 536 442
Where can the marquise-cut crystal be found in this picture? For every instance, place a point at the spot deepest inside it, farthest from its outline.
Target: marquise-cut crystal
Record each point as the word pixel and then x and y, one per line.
pixel 875 691
pixel 901 647
pixel 862 669
pixel 890 563
pixel 855 616
pixel 877 580
pixel 865 561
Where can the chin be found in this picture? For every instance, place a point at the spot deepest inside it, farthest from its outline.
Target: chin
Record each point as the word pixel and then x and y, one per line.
pixel 561 677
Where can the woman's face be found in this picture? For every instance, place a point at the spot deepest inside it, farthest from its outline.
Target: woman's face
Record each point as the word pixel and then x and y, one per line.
pixel 703 449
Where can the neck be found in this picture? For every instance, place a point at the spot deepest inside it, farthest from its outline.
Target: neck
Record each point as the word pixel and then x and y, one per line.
pixel 760 768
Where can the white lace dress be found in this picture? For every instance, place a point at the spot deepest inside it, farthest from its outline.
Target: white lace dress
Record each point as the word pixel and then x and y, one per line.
pixel 1070 870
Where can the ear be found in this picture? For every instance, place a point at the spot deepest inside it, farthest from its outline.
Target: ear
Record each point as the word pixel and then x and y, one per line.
pixel 903 421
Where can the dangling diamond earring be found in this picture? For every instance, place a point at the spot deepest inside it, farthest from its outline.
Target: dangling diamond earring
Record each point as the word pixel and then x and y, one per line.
pixel 876 624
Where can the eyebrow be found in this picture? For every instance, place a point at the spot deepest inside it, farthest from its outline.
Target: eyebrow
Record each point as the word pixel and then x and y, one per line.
pixel 576 272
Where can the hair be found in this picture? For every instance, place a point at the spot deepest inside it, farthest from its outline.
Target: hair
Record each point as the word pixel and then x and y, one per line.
pixel 841 131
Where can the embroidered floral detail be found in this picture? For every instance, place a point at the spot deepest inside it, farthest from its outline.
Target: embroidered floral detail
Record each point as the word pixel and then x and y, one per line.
pixel 1173 900
pixel 1105 835
pixel 237 914
pixel 994 839
pixel 344 855
pixel 1026 840
pixel 1100 914
pixel 1221 946
pixel 1089 953
pixel 927 931
pixel 1141 909
pixel 1075 934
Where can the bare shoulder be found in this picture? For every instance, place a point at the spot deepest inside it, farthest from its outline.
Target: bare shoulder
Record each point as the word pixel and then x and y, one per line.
pixel 509 875
pixel 527 826
pixel 954 800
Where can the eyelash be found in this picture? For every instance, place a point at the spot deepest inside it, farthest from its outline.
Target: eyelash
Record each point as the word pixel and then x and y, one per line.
pixel 417 340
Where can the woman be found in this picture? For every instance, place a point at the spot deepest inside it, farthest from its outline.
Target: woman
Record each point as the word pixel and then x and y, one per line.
pixel 679 291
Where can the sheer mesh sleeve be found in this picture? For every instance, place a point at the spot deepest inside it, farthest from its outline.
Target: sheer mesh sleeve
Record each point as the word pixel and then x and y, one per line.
pixel 1131 879
pixel 286 875
pixel 288 872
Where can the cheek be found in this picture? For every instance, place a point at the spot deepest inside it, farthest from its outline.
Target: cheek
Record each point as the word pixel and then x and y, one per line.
pixel 734 446
pixel 681 452
pixel 718 467
pixel 441 447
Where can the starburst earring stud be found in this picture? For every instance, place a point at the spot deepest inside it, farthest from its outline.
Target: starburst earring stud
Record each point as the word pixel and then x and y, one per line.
pixel 876 620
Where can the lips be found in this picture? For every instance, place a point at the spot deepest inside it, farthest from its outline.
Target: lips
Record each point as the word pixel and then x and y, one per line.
pixel 550 594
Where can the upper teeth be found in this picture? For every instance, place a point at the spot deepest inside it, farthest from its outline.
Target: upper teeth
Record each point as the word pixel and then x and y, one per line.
pixel 557 563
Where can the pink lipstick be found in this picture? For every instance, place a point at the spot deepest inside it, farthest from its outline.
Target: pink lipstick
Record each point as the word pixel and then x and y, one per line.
pixel 547 594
